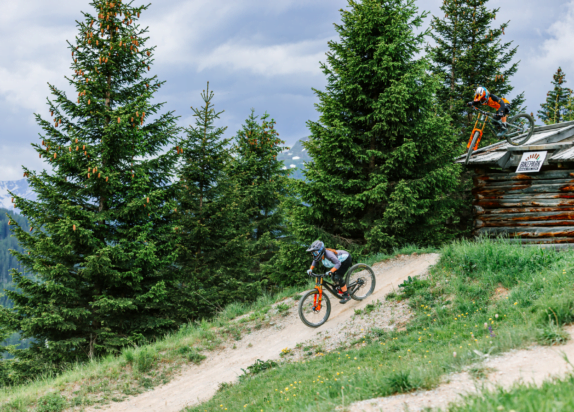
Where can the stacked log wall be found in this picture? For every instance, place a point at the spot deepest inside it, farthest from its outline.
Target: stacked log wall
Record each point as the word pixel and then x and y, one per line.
pixel 528 208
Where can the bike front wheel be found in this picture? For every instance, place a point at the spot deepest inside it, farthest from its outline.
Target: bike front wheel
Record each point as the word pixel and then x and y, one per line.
pixel 361 281
pixel 308 313
pixel 471 148
pixel 520 129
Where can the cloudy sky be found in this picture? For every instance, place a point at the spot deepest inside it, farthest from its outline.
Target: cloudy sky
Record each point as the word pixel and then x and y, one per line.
pixel 255 53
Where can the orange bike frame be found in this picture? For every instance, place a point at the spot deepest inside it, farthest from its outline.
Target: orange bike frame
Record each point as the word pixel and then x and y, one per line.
pixel 318 298
pixel 476 129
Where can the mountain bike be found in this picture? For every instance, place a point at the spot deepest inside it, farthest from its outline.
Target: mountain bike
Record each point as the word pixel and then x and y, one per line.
pixel 517 132
pixel 315 306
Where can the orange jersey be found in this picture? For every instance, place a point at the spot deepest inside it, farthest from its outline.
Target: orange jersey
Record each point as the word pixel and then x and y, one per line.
pixel 496 102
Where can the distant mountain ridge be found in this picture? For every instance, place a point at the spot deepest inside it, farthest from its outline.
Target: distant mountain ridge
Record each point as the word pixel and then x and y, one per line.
pixel 295 158
pixel 19 188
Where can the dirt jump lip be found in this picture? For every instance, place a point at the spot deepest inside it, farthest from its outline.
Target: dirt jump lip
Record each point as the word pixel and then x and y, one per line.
pixel 197 384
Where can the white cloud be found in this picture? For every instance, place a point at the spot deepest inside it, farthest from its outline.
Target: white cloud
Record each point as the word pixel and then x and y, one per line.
pixel 293 58
pixel 557 50
pixel 12 157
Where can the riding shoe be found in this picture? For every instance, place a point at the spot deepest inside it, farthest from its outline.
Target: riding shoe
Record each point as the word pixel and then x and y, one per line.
pixel 345 297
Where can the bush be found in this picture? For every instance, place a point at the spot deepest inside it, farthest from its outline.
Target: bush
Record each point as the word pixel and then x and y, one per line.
pixel 145 359
pixel 258 367
pixel 51 403
pixel 399 382
pixel 412 285
pixel 552 334
pixel 191 354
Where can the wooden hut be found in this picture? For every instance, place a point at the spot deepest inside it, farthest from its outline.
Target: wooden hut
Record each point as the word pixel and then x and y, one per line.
pixel 532 208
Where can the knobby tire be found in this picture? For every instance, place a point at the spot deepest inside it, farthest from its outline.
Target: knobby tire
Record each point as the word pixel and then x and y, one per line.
pixel 306 308
pixel 471 148
pixel 365 272
pixel 510 138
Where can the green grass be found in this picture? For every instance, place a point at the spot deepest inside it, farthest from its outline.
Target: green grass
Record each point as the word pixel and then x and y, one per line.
pixel 462 307
pixel 462 293
pixel 139 369
pixel 552 396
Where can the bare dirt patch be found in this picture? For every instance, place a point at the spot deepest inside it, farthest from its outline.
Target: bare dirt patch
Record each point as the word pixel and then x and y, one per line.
pixel 533 365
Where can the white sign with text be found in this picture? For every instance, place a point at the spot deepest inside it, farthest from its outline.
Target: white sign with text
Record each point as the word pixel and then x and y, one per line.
pixel 531 162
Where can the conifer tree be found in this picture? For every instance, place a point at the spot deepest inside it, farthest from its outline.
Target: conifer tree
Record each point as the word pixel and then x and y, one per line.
pixel 469 52
pixel 382 149
pixel 99 241
pixel 263 181
pixel 558 105
pixel 213 226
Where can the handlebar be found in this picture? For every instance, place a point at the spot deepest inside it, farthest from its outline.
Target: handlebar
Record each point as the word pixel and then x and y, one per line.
pixel 318 275
pixel 482 111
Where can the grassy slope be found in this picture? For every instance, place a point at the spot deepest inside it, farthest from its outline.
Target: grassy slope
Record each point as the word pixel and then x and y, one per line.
pixel 552 396
pixel 452 308
pixel 136 370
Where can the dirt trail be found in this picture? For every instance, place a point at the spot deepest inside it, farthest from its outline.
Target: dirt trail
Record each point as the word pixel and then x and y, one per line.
pixel 199 383
pixel 533 365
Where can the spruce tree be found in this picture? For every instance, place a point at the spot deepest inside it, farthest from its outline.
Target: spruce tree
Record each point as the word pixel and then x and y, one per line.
pixel 263 181
pixel 99 242
pixel 213 226
pixel 558 105
pixel 469 52
pixel 382 167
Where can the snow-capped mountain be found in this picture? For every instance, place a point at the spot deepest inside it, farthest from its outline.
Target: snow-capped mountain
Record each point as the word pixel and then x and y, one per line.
pixel 18 187
pixel 295 158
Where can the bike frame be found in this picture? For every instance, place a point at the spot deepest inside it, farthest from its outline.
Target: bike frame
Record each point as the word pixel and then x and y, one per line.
pixel 319 284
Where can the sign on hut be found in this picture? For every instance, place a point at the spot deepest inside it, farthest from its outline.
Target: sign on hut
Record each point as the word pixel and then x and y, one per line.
pixel 526 193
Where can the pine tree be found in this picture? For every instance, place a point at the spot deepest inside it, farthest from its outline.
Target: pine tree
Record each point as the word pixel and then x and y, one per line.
pixel 213 228
pixel 382 149
pixel 264 182
pixel 558 105
pixel 99 241
pixel 469 52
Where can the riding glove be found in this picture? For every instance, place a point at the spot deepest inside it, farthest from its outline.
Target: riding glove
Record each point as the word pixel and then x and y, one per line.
pixel 310 272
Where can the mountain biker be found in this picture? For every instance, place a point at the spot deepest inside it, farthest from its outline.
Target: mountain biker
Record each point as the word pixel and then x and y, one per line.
pixel 500 104
pixel 339 261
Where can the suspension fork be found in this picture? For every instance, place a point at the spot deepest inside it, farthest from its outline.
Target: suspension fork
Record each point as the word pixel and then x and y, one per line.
pixel 318 297
pixel 477 128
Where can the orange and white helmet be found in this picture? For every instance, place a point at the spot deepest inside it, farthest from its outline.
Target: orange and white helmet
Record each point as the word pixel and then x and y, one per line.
pixel 481 95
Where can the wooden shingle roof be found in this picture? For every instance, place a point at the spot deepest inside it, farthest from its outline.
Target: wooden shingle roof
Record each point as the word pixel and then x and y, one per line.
pixel 556 139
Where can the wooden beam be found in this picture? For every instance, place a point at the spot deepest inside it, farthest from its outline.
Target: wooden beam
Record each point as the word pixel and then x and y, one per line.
pixel 525 189
pixel 528 232
pixel 516 224
pixel 549 174
pixel 480 211
pixel 530 216
pixel 526 196
pixel 492 204
pixel 512 183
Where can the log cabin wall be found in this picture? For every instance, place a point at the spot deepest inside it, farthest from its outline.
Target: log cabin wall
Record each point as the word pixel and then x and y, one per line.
pixel 535 208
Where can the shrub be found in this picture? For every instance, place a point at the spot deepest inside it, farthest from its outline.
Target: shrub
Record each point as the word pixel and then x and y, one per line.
pixel 258 367
pixel 51 403
pixel 552 334
pixel 145 359
pixel 399 382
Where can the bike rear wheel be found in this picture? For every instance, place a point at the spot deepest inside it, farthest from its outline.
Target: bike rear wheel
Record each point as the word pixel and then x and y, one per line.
pixel 361 281
pixel 471 148
pixel 307 313
pixel 520 129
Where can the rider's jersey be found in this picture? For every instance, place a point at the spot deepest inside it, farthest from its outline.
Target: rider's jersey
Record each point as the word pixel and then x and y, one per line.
pixel 331 260
pixel 497 103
